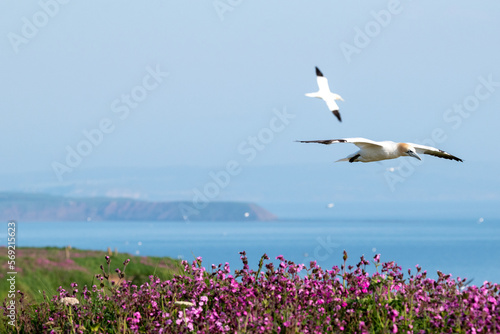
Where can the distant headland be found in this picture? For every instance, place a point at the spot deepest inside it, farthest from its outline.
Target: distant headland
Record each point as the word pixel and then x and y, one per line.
pixel 43 207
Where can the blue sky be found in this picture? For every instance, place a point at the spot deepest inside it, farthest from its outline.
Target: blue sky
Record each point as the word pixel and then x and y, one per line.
pixel 159 85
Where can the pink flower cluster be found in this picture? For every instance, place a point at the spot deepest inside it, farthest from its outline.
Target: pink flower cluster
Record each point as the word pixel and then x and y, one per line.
pixel 286 298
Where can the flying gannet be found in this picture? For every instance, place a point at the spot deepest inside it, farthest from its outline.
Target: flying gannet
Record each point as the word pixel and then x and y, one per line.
pixel 382 150
pixel 326 95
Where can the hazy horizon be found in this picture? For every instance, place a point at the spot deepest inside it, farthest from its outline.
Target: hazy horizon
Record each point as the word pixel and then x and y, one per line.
pixel 210 98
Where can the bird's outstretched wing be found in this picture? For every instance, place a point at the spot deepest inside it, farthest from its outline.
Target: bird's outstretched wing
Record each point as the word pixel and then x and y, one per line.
pixel 337 114
pixel 334 108
pixel 318 72
pixel 360 142
pixel 322 82
pixel 324 142
pixel 422 149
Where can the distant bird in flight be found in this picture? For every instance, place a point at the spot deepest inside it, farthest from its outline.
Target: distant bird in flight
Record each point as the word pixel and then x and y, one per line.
pixel 382 150
pixel 326 95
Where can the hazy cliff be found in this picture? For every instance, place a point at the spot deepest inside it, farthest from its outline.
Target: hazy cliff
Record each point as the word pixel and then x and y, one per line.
pixel 41 207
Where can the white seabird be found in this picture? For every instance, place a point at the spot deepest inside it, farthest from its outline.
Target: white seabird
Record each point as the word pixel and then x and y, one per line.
pixel 326 95
pixel 382 150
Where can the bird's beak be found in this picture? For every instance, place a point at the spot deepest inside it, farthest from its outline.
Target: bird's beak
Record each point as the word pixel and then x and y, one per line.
pixel 413 154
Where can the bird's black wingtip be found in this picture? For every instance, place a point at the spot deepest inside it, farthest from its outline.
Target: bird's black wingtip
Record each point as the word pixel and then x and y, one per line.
pixel 337 114
pixel 450 157
pixel 318 72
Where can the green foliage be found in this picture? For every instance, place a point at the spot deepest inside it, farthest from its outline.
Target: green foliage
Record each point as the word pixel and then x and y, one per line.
pixel 278 300
pixel 48 268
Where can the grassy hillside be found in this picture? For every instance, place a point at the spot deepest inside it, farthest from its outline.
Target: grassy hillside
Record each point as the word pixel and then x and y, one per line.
pixel 45 269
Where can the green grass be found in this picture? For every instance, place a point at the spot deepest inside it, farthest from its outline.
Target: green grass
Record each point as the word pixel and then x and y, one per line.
pixel 45 269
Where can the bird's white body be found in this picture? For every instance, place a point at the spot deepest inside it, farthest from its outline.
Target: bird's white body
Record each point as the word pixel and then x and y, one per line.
pixel 326 95
pixel 383 150
pixel 386 150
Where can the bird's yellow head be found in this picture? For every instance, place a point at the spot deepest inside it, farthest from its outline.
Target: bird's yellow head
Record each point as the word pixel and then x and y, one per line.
pixel 408 150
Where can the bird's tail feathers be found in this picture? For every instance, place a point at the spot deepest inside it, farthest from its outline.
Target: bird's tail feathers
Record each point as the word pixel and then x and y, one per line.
pixel 351 158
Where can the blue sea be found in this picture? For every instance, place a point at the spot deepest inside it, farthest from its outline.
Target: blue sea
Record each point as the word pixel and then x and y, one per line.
pixel 464 248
